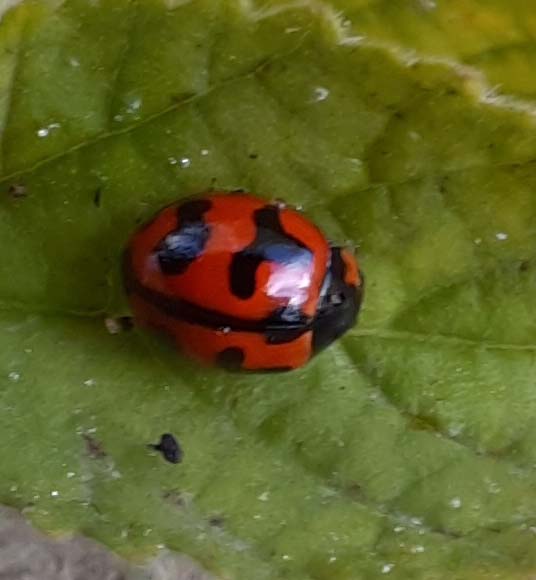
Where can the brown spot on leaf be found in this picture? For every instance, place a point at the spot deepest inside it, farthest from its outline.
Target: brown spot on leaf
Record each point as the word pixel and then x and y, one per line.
pixel 17 191
pixel 94 447
pixel 175 498
pixel 217 521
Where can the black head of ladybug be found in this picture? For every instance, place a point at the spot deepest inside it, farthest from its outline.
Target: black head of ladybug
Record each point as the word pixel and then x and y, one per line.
pixel 340 300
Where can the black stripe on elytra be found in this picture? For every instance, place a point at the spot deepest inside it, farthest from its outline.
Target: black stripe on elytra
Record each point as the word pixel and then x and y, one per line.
pixel 270 233
pixel 183 245
pixel 275 331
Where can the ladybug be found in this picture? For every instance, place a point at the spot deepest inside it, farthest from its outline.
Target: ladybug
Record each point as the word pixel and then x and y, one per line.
pixel 240 282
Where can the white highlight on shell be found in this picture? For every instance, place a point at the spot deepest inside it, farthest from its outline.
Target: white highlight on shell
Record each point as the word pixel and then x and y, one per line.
pixel 501 236
pixel 386 568
pixel 14 376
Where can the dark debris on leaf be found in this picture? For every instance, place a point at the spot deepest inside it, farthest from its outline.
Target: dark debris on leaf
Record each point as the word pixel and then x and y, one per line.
pixel 94 447
pixel 169 447
pixel 17 191
pixel 175 498
pixel 216 521
pixel 119 324
pixel 97 197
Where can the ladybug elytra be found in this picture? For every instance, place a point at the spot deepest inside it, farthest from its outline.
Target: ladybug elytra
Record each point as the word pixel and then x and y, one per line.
pixel 242 283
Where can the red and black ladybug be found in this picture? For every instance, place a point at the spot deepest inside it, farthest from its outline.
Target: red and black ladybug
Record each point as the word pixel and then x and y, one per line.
pixel 241 282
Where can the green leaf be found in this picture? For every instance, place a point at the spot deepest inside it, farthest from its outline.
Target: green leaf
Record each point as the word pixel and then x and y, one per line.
pixel 495 36
pixel 408 448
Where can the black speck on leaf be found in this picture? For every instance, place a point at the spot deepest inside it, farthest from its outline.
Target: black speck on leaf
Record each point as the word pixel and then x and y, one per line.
pixel 97 197
pixel 169 447
pixel 217 521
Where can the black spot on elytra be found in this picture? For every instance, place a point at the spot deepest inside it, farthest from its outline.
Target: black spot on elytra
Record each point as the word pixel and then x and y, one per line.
pixel 231 358
pixel 269 219
pixel 243 270
pixel 193 211
pixel 271 243
pixel 183 245
pixel 169 447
